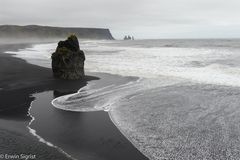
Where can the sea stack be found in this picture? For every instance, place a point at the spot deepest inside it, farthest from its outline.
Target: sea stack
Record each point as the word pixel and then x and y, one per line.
pixel 128 37
pixel 68 60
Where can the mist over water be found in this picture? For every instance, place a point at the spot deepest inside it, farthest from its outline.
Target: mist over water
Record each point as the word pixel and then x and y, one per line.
pixel 184 103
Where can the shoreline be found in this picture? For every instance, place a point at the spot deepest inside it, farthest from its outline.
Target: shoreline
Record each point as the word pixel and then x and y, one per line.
pixel 22 83
pixel 93 133
pixel 40 139
pixel 123 133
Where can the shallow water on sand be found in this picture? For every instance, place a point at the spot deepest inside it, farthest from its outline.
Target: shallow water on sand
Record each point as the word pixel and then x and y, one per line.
pixel 82 135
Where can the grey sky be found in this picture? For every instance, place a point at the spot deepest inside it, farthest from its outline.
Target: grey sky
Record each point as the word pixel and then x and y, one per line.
pixel 141 18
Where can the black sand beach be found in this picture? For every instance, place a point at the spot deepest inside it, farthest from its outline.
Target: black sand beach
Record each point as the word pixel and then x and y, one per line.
pixel 18 81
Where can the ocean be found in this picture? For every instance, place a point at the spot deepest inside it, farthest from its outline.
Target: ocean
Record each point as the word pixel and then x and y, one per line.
pixel 182 101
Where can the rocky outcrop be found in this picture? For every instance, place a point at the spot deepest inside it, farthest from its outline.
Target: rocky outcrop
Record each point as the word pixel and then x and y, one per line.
pixel 128 38
pixel 68 60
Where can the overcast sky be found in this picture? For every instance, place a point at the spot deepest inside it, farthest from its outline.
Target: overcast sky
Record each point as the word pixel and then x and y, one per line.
pixel 141 18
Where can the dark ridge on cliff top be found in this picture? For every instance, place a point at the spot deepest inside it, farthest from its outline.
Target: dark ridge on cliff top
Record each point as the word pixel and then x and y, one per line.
pixel 48 32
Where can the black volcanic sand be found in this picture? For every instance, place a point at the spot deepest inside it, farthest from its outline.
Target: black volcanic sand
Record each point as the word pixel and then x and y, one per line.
pixel 86 135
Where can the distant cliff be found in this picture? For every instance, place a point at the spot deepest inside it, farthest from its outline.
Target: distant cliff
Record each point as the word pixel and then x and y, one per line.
pixel 47 32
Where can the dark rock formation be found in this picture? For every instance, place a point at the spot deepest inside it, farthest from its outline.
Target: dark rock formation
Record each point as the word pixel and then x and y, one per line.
pixel 68 60
pixel 128 38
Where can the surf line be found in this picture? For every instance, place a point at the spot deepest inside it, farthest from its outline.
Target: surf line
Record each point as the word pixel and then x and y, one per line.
pixel 40 139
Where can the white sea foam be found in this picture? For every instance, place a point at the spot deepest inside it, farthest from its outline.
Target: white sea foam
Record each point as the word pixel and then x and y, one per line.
pixel 93 99
pixel 197 65
pixel 37 54
pixel 104 98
